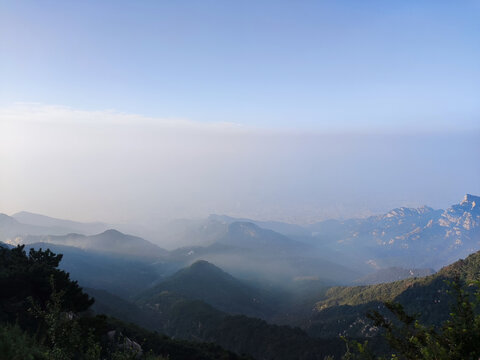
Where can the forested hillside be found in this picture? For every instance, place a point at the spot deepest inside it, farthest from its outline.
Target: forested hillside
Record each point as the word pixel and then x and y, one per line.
pixel 343 309
pixel 44 315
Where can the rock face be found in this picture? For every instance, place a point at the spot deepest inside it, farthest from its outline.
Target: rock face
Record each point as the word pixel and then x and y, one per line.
pixel 465 215
pixel 408 237
pixel 125 344
pixel 454 227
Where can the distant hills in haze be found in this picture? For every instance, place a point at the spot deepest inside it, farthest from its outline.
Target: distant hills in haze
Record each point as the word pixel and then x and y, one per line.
pixel 404 237
pixel 59 226
pixel 255 253
pixel 404 240
pixel 109 241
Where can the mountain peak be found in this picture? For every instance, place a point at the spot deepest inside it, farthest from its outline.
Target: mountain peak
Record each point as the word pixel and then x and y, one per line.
pixel 112 232
pixel 201 273
pixel 204 266
pixel 23 212
pixel 472 200
pixel 206 282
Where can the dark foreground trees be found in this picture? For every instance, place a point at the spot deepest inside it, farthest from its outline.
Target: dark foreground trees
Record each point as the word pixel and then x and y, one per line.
pixel 43 313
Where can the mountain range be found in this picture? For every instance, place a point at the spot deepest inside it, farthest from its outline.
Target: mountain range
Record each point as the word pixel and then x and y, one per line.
pixel 404 237
pixel 401 243
pixel 412 238
pixel 63 226
pixel 110 241
pixel 249 251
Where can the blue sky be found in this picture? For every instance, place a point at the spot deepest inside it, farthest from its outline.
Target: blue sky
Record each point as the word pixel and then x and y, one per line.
pixel 345 65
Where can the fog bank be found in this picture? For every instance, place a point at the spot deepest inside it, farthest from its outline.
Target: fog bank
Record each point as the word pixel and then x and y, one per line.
pixel 114 167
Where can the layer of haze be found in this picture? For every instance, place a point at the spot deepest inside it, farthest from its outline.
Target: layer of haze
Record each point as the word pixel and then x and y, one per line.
pixel 118 167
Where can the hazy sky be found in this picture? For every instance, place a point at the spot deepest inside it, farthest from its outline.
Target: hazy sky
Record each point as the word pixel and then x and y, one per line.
pixel 295 110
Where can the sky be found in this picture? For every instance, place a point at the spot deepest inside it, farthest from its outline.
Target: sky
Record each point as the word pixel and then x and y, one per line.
pixel 287 110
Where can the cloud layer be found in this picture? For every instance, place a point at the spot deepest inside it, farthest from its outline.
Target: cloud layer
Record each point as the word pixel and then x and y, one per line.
pixel 111 166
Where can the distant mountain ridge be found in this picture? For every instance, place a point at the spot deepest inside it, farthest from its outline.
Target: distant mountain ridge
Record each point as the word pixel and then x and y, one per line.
pixel 68 226
pixel 11 228
pixel 407 237
pixel 109 241
pixel 252 252
pixel 251 236
pixel 336 250
pixel 277 226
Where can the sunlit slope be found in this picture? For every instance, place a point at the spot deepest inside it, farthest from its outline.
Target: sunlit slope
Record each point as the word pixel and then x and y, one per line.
pixel 343 309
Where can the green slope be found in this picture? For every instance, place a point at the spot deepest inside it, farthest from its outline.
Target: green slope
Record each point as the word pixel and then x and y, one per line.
pixel 343 309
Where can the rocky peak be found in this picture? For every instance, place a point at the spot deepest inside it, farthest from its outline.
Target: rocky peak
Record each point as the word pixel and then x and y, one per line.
pixel 471 202
pixel 464 215
pixel 407 212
